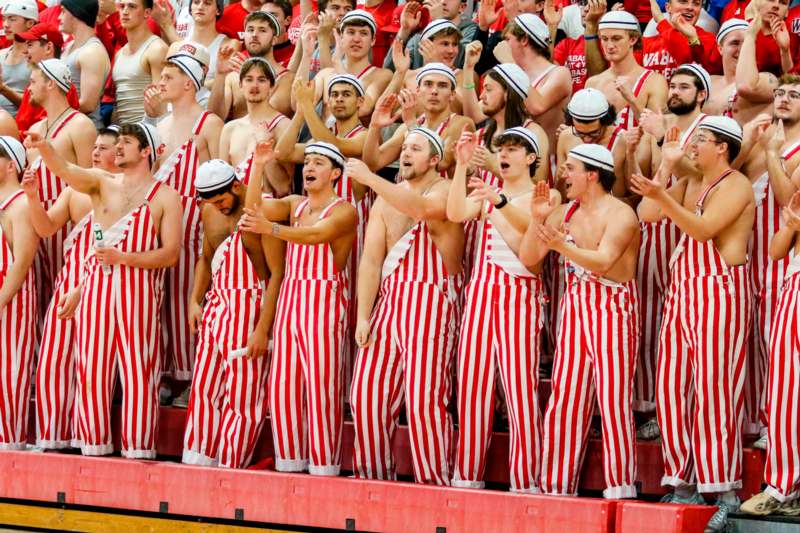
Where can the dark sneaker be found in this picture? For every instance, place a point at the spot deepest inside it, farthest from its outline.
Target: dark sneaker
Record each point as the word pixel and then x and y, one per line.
pixel 719 521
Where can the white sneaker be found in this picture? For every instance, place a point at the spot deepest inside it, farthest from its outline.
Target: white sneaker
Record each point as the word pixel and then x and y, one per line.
pixel 761 443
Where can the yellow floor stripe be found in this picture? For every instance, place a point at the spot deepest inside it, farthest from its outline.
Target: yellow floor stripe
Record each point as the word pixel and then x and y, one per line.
pixel 94 522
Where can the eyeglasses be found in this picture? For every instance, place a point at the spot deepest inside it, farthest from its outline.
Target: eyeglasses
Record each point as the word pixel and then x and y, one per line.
pixel 697 139
pixel 793 95
pixel 593 135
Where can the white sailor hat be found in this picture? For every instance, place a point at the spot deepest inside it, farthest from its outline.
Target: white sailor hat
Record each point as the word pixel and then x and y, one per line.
pixel 729 26
pixel 345 78
pixel 190 59
pixel 595 155
pixel 360 14
pixel 58 71
pixel 515 77
pixel 435 26
pixel 432 136
pixel 534 27
pixel 619 20
pixel 436 68
pixel 700 72
pixel 725 125
pixel 525 134
pixel 153 139
pixel 213 175
pixel 327 149
pixel 26 9
pixel 15 151
pixel 587 105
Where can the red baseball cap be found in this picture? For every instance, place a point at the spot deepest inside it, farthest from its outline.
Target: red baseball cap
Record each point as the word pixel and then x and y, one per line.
pixel 42 32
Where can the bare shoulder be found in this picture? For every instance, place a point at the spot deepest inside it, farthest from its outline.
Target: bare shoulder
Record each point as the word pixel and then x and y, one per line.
pixel 166 195
pixel 232 125
pixel 380 74
pixel 656 79
pixel 458 124
pixel 739 182
pixel 557 216
pixel 622 212
pixel 157 48
pixel 80 122
pixel 212 120
pixel 345 208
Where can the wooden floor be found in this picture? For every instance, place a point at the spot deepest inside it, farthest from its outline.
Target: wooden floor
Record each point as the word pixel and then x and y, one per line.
pixel 21 516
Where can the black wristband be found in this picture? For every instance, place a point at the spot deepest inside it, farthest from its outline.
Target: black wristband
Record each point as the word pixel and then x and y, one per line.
pixel 502 203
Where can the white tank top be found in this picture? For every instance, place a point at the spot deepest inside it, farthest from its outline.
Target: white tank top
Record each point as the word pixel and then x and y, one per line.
pixel 131 81
pixel 213 48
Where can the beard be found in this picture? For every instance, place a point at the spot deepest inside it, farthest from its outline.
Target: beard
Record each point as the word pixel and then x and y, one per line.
pixel 409 173
pixel 678 107
pixel 254 50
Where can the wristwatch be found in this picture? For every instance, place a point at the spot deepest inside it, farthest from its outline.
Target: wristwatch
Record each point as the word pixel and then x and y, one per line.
pixel 275 228
pixel 502 203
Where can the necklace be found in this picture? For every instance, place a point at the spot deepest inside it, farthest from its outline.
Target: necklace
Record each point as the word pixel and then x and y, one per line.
pixel 130 197
pixel 56 121
pixel 311 210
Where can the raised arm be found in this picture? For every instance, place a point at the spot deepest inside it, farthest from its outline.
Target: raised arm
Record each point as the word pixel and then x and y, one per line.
pixel 468 93
pixel 289 150
pixel 615 240
pixel 595 63
pixel 751 85
pixel 557 87
pixel 45 222
pixel 377 154
pixel 85 180
pixel 783 186
pixel 532 249
pixel 786 237
pixel 459 206
pixel 432 206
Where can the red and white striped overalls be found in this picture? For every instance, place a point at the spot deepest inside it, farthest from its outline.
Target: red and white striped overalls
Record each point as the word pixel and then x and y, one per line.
pixel 782 473
pixel 626 117
pixel 178 171
pixel 55 375
pixel 50 256
pixel 768 277
pixel 701 365
pixel 119 329
pixel 344 189
pixel 500 328
pixel 598 341
pixel 306 378
pixel 554 277
pixel 17 345
pixel 658 242
pixel 228 402
pixel 414 325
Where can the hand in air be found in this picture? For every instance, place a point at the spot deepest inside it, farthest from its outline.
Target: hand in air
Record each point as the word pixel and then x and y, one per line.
pixel 465 147
pixel 542 202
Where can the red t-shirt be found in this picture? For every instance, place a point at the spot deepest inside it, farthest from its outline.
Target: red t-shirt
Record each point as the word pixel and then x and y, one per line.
pixel 283 52
pixel 383 17
pixel 571 53
pixel 640 9
pixel 231 23
pixel 29 114
pixel 664 52
pixel 294 27
pixel 768 57
pixel 734 10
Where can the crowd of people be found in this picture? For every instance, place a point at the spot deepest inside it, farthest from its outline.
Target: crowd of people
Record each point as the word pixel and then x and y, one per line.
pixel 320 211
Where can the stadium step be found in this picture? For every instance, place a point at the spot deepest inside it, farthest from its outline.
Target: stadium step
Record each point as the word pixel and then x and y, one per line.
pixel 651 466
pixel 741 523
